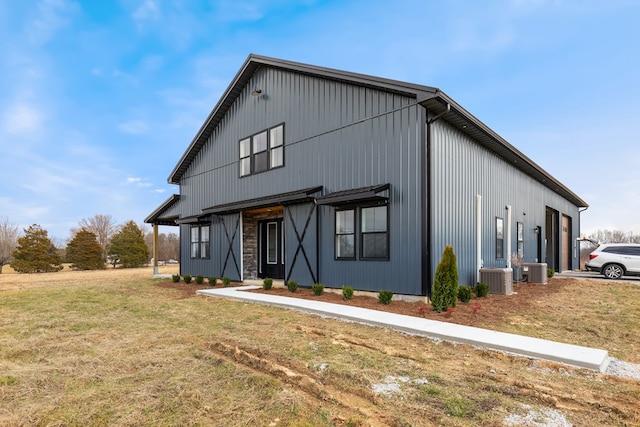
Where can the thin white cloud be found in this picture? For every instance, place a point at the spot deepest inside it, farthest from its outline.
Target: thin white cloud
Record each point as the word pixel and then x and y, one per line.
pixel 134 127
pixel 51 16
pixel 148 11
pixel 21 119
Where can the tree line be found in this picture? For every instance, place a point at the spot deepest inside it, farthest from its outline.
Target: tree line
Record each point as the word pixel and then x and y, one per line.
pixel 96 242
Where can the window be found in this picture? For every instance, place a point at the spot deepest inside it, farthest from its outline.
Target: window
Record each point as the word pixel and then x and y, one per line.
pixel 499 238
pixel 374 232
pixel 520 240
pixel 200 241
pixel 373 236
pixel 262 151
pixel 345 234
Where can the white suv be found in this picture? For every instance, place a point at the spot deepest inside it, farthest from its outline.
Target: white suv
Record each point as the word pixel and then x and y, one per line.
pixel 615 260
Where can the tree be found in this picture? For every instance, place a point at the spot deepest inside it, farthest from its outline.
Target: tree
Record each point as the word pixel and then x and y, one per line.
pixel 84 251
pixel 128 246
pixel 8 240
pixel 35 252
pixel 103 227
pixel 168 245
pixel 444 293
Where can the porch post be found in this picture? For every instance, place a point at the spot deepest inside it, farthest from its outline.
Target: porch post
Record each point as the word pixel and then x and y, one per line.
pixel 155 248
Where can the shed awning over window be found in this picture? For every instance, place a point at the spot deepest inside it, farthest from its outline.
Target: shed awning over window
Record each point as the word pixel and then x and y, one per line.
pixel 193 219
pixel 356 195
pixel 291 197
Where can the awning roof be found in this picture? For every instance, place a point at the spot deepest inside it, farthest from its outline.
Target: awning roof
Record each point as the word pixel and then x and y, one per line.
pixel 354 196
pixel 156 216
pixel 291 197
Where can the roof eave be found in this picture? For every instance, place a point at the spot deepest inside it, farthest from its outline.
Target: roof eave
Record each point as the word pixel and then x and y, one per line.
pixel 470 125
pixel 251 64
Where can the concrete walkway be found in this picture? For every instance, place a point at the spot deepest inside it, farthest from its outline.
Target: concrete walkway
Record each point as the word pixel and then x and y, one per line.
pixel 582 357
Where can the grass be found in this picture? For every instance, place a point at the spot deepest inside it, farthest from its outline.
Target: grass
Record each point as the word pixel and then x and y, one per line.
pixel 114 348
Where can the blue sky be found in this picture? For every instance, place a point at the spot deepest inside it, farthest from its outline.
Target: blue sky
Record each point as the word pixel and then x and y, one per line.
pixel 99 99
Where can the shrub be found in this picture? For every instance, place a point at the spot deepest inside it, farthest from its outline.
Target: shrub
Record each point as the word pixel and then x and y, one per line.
pixel 550 272
pixel 464 293
pixel 347 293
pixel 385 297
pixel 481 290
pixel 444 293
pixel 187 278
pixel 226 281
pixel 292 285
pixel 199 279
pixel 317 288
pixel 267 284
pixel 175 278
pixel 213 280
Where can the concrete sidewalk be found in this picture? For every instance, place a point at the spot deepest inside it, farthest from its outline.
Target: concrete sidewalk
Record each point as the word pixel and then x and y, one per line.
pixel 582 357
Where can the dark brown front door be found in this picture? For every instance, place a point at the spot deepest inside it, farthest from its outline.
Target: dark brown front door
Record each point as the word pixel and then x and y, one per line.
pixel 271 245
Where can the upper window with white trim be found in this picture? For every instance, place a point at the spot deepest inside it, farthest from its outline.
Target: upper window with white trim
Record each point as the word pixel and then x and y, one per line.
pixel 262 151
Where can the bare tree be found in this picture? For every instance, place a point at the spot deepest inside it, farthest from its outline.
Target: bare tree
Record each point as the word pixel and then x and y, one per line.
pixel 168 246
pixel 8 240
pixel 102 226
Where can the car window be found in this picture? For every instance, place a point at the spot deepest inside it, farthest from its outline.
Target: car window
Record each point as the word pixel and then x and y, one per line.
pixel 633 250
pixel 614 250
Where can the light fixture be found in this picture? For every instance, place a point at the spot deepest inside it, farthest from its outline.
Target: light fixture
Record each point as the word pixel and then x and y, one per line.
pixel 256 92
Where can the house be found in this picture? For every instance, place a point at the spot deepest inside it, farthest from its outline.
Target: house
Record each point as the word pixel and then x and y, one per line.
pixel 318 175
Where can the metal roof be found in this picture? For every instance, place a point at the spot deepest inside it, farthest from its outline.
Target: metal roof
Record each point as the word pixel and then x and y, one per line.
pixel 355 195
pixel 156 215
pixel 291 197
pixel 431 98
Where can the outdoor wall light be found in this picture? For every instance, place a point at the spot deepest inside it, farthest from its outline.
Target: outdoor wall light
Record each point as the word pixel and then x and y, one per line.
pixel 256 92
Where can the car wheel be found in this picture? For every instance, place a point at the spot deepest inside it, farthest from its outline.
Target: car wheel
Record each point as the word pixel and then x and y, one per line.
pixel 613 271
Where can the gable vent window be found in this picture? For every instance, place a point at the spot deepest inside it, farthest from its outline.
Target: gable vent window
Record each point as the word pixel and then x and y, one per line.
pixel 262 151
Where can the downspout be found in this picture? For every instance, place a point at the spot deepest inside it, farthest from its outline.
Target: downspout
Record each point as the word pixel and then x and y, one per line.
pixel 427 205
pixel 478 236
pixel 508 207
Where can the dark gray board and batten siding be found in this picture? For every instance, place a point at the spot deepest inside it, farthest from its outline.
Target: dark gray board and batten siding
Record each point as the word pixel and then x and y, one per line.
pixel 463 169
pixel 337 135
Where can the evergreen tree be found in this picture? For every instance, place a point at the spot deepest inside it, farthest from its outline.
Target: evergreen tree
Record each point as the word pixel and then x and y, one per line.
pixel 85 252
pixel 444 293
pixel 128 246
pixel 35 252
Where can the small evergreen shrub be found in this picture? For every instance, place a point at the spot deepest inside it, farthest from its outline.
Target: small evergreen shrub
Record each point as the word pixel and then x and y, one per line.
pixel 199 279
pixel 317 288
pixel 385 297
pixel 444 292
pixel 292 285
pixel 187 278
pixel 213 280
pixel 226 281
pixel 347 293
pixel 175 278
pixel 481 290
pixel 550 272
pixel 267 284
pixel 464 293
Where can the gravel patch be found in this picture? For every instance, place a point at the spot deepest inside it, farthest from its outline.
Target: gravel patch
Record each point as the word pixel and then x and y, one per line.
pixel 623 369
pixel 543 417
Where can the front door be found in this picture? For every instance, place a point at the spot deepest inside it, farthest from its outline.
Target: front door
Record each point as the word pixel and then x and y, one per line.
pixel 271 249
